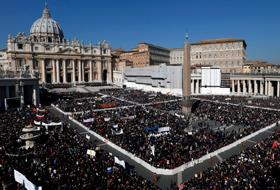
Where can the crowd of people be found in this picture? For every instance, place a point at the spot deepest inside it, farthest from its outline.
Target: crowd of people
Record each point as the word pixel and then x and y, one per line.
pixel 139 96
pixel 139 130
pixel 264 102
pixel 257 168
pixel 82 102
pixel 59 160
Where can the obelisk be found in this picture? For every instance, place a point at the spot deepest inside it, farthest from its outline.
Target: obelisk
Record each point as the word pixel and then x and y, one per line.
pixel 186 83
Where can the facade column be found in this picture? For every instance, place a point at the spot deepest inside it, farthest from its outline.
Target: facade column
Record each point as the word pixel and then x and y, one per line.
pixel 99 70
pixel 192 86
pixel 90 71
pixel 43 71
pixel 64 70
pixel 278 88
pixel 250 86
pixel 53 71
pixel 34 101
pixel 255 87
pixel 244 87
pixel 79 71
pixel 83 70
pixel 7 91
pixel 197 87
pixel 238 87
pixel 73 72
pixel 270 93
pixel 262 83
pixel 268 88
pixel 109 71
pixel 57 72
pixel 232 87
pixel 265 88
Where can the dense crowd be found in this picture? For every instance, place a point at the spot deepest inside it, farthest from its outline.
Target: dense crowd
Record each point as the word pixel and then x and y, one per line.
pixel 53 86
pixel 257 168
pixel 59 159
pixel 137 130
pixel 138 96
pixel 81 102
pixel 266 102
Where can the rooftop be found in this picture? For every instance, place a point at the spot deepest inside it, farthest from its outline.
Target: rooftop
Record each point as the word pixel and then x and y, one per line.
pixel 220 40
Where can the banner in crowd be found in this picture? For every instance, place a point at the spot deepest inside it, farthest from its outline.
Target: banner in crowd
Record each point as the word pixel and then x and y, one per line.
pixel 91 153
pixel 107 105
pixel 52 124
pixel 151 129
pixel 87 136
pixel 120 162
pixel 107 118
pixel 89 120
pixel 37 122
pixel 39 116
pixel 20 178
pixel 115 130
pixel 129 117
pixel 179 115
pixel 164 129
pixel 153 150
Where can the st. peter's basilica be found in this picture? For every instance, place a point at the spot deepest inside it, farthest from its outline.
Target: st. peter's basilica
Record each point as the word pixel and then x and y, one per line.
pixel 56 60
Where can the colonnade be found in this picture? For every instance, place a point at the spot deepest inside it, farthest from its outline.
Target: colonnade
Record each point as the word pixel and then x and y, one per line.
pixel 267 87
pixel 80 70
pixel 28 92
pixel 195 86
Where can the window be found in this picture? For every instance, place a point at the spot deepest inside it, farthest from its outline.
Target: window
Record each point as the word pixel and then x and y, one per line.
pixel 20 46
pixel 104 51
pixel 48 48
pixel 36 48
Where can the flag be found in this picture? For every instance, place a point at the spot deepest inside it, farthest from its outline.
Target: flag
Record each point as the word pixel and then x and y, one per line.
pixel 181 186
pixel 34 110
pixel 120 162
pixel 109 170
pixel 275 144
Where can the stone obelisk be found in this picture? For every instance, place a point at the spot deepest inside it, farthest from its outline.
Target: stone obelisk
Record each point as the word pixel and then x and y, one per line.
pixel 186 83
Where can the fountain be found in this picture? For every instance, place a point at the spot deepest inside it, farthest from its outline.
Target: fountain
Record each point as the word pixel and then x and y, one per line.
pixel 29 136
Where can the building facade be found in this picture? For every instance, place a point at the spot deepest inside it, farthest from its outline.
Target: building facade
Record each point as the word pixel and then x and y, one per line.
pixel 146 54
pixel 56 60
pixel 229 54
pixel 176 56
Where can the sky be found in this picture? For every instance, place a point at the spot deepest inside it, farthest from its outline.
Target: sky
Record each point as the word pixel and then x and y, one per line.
pixel 125 23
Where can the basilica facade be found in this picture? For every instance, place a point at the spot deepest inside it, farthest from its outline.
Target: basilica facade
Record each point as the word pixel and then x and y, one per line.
pixel 55 60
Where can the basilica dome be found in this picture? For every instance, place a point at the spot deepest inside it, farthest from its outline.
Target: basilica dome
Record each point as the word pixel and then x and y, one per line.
pixel 46 27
